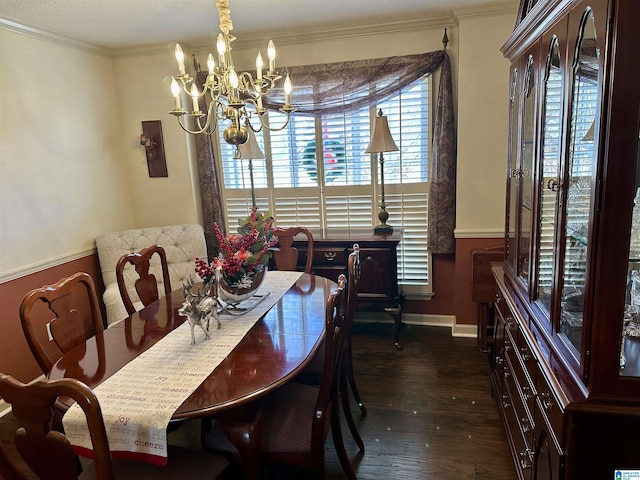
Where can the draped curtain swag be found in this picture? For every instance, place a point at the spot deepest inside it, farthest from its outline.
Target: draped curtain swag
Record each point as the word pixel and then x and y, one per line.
pixel 333 88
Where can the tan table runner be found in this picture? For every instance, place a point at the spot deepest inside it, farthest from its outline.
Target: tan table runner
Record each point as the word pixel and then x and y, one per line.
pixel 139 400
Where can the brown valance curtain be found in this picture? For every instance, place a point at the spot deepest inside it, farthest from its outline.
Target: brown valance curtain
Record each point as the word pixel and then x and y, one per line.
pixel 331 88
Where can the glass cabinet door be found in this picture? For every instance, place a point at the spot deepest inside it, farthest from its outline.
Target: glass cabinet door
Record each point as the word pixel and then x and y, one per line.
pixel 512 182
pixel 579 181
pixel 526 169
pixel 549 184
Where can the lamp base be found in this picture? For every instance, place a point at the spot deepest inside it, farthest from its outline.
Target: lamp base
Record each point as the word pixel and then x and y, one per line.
pixel 383 228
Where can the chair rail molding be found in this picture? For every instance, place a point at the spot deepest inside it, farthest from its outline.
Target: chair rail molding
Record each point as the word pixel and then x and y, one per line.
pixel 478 233
pixel 46 263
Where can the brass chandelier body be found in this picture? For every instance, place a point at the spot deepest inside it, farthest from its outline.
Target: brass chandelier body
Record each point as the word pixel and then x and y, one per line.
pixel 233 97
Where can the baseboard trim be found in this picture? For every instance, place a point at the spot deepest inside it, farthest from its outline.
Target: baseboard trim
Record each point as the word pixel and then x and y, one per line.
pixel 428 320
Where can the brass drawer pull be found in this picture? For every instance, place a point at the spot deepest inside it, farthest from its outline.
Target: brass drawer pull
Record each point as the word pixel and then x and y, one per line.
pixel 330 256
pixel 526 458
pixel 547 403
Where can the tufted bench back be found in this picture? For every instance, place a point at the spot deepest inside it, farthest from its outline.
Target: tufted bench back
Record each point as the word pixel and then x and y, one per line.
pixel 182 244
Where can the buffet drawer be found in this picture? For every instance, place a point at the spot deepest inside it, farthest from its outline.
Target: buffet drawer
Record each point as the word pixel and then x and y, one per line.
pixel 520 403
pixel 521 440
pixel 527 390
pixel 329 256
pixel 549 406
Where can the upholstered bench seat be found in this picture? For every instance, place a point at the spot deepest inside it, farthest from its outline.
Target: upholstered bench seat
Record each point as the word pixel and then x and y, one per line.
pixel 182 245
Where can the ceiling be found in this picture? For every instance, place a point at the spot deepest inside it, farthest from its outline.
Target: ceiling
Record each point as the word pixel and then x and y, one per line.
pixel 116 24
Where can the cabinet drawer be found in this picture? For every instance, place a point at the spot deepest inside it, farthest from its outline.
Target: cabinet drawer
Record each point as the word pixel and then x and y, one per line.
pixel 520 402
pixel 526 356
pixel 549 406
pixel 501 306
pixel 521 438
pixel 526 387
pixel 329 256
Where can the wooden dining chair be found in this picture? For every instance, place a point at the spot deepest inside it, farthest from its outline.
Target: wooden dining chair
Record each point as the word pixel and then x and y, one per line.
pixel 74 303
pixel 146 285
pixel 347 377
pixel 295 419
pixel 290 425
pixel 50 456
pixel 286 254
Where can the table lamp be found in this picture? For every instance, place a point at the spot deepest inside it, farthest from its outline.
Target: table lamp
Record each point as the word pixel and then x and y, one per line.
pixel 250 150
pixel 382 141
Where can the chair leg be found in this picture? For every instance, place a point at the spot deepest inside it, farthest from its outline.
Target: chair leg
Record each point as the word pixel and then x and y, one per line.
pixel 352 381
pixel 338 441
pixel 346 407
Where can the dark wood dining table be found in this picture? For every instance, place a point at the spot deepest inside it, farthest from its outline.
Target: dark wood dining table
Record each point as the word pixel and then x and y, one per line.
pixel 274 351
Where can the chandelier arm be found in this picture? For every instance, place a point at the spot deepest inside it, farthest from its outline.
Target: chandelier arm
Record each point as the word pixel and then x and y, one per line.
pixel 247 82
pixel 282 127
pixel 192 132
pixel 202 129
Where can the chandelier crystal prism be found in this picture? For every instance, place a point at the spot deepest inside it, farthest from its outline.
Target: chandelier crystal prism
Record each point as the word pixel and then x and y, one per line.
pixel 234 97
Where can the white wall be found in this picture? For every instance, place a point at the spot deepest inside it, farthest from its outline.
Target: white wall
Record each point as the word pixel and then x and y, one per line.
pixel 144 94
pixel 483 90
pixel 61 176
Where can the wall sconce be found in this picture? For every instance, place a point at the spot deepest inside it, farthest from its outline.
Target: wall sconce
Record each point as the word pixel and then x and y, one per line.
pixel 151 140
pixel 146 141
pixel 382 141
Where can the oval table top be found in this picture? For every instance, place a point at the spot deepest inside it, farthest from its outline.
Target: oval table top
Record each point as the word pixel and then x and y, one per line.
pixel 274 351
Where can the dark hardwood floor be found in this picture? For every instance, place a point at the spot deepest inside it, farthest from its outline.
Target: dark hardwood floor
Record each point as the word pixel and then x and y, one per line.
pixel 430 412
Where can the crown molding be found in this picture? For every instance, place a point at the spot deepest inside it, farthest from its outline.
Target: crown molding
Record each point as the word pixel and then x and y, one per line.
pixel 53 38
pixel 258 40
pixel 490 9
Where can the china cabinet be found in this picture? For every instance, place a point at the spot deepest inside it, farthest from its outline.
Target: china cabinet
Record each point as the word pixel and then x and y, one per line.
pixel 566 366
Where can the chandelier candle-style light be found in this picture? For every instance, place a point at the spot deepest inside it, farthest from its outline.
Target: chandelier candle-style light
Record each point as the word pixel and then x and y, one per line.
pixel 236 97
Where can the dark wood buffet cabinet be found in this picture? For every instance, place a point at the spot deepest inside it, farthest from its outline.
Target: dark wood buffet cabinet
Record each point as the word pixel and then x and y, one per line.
pixel 378 287
pixel 566 362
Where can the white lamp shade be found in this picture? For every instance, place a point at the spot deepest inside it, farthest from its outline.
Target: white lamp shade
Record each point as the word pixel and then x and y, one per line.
pixel 381 139
pixel 249 149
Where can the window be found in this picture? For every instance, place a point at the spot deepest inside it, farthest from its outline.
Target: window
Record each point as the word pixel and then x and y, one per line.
pixel 316 174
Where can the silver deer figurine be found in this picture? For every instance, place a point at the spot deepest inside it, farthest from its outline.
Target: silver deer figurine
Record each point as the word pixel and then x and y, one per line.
pixel 198 307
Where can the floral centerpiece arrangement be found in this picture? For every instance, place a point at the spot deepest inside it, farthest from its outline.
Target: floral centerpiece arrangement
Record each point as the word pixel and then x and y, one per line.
pixel 243 255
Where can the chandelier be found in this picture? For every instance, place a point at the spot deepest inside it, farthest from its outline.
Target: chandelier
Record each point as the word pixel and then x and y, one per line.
pixel 234 97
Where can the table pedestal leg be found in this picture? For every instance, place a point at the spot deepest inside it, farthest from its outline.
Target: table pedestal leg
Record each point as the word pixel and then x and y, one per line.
pixel 242 428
